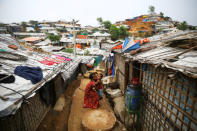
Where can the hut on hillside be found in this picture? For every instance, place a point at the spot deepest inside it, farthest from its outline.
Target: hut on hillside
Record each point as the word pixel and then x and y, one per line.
pixel 167 72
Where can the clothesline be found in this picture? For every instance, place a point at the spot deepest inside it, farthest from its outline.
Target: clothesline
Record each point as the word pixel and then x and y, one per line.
pixel 35 60
pixel 23 97
pixel 48 73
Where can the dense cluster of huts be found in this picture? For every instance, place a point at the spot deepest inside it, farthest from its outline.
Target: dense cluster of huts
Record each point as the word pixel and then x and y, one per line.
pixel 166 67
pixel 31 82
pixel 167 72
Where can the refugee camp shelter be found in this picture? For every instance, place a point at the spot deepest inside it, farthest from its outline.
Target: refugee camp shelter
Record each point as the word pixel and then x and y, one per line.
pixel 167 71
pixel 100 36
pixel 46 29
pixel 32 40
pixel 24 34
pixel 25 99
pixel 3 30
pixel 14 28
pixel 30 29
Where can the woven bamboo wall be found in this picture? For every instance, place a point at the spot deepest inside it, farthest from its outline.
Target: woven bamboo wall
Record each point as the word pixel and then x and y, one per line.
pixel 170 104
pixel 27 118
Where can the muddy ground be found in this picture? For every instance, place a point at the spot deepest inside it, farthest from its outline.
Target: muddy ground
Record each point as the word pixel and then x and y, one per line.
pixel 57 118
pixel 68 111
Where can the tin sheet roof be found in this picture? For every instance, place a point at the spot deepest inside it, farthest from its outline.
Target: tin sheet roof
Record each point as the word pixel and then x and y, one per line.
pixel 186 62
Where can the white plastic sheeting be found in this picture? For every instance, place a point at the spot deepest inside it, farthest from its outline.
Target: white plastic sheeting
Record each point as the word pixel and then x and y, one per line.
pixel 25 87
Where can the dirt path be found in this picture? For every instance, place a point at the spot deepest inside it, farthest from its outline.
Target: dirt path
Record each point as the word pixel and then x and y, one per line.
pixel 68 111
pixel 57 118
pixel 77 110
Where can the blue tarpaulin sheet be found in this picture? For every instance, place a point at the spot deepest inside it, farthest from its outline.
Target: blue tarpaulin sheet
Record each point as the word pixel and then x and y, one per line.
pixel 113 68
pixel 133 47
pixel 125 43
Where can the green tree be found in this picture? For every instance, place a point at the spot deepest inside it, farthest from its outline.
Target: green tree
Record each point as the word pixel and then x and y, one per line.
pixel 100 20
pixel 63 30
pixel 123 32
pixel 167 18
pixel 192 28
pixel 115 32
pixel 68 50
pixel 84 32
pixel 183 26
pixel 151 9
pixel 161 14
pixel 95 30
pixel 87 52
pixel 33 22
pixel 36 28
pixel 24 25
pixel 107 24
pixel 53 37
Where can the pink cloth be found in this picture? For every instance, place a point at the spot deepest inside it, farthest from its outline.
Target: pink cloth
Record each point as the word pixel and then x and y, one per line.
pixel 62 58
pixel 46 62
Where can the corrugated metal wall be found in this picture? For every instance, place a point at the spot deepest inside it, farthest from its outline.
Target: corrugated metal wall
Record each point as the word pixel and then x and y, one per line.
pixel 170 104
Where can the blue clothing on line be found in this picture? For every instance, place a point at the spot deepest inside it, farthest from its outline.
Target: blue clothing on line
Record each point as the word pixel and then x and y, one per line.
pixel 29 73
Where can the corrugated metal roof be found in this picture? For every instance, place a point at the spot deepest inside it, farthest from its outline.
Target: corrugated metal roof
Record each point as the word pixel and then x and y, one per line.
pixel 24 86
pixel 32 39
pixel 185 63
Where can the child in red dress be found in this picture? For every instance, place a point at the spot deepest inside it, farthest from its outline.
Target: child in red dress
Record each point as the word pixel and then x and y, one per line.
pixel 91 98
pixel 100 85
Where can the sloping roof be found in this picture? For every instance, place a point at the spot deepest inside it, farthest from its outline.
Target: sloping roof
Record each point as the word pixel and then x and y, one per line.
pixel 47 28
pixel 43 43
pixel 29 34
pixel 25 87
pixel 186 61
pixel 67 40
pixel 29 29
pixel 82 36
pixel 70 40
pixel 31 39
pixel 98 34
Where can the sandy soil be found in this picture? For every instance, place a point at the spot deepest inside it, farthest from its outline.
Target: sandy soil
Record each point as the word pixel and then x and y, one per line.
pixel 77 111
pixel 68 111
pixel 57 118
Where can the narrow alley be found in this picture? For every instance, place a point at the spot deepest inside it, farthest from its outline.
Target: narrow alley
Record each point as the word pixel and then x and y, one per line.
pixel 68 111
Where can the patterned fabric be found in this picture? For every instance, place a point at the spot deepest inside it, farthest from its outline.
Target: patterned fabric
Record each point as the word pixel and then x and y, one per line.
pixel 100 86
pixel 91 98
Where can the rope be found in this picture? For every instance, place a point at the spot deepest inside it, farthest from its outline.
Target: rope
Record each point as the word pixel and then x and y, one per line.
pixel 13 90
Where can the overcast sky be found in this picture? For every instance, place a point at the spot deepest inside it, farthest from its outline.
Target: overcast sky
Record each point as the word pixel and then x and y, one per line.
pixel 88 10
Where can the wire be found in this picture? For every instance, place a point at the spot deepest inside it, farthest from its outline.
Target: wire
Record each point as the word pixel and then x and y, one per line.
pixel 49 73
pixel 13 90
pixel 152 72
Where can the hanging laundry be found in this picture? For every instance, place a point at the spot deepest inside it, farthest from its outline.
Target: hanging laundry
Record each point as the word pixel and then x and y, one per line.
pixel 66 58
pixel 29 73
pixel 47 62
pixel 62 58
pixel 7 78
pixel 53 60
